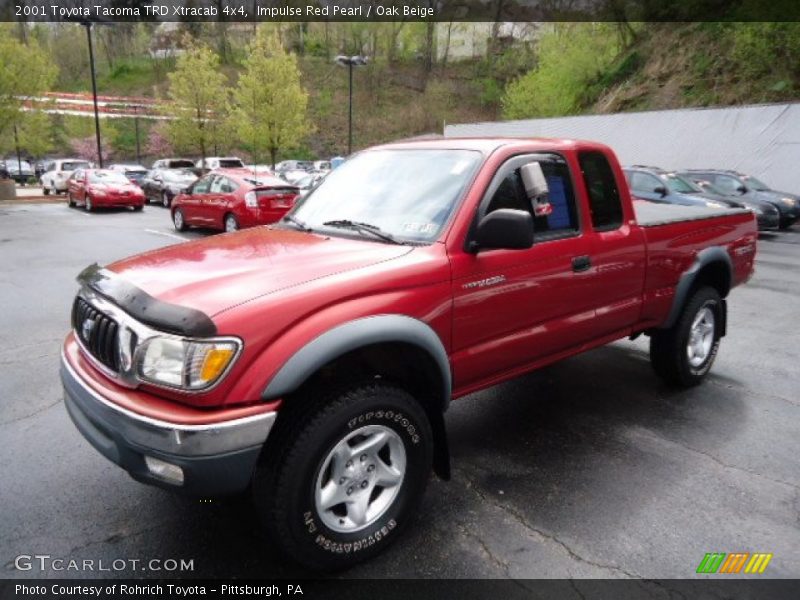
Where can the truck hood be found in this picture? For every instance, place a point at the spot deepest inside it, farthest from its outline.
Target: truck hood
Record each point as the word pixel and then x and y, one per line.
pixel 218 272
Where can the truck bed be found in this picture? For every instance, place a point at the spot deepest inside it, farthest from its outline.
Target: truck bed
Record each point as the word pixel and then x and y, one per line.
pixel 652 214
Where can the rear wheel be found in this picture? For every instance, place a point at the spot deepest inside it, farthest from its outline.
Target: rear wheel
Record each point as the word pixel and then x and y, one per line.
pixel 165 202
pixel 70 200
pixel 45 190
pixel 88 204
pixel 683 354
pixel 178 220
pixel 231 224
pixel 138 208
pixel 343 474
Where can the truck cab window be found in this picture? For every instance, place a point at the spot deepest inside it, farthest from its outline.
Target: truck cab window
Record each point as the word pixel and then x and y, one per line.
pixel 604 200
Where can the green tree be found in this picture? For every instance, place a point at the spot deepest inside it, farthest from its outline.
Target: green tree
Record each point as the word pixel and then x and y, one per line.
pixel 270 105
pixel 25 71
pixel 33 134
pixel 198 102
pixel 572 57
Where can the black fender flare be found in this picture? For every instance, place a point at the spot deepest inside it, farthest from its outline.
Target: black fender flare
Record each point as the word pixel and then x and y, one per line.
pixel 367 331
pixel 707 256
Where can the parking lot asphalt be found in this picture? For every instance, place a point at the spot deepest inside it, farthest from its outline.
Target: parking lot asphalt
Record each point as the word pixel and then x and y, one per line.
pixel 589 468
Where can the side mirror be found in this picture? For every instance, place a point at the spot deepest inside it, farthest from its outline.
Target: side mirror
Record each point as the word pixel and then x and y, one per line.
pixel 535 184
pixel 504 228
pixel 187 191
pixel 741 189
pixel 660 190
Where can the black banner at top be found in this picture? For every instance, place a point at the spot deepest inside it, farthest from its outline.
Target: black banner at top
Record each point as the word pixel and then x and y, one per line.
pixel 398 10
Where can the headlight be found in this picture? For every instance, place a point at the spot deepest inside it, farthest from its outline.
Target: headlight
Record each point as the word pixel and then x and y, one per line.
pixel 184 364
pixel 788 201
pixel 712 204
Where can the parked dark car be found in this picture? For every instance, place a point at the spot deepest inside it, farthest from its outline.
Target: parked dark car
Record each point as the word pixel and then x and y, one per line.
pixel 173 163
pixel 658 185
pixel 19 171
pixel 745 187
pixel 162 185
pixel 135 173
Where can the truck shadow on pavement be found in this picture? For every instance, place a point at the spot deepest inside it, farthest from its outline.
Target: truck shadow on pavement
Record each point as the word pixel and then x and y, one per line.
pixel 581 444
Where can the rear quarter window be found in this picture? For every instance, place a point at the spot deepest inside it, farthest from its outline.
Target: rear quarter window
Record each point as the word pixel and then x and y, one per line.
pixel 602 189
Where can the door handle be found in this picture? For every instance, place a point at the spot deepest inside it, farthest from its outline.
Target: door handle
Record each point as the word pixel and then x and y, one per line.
pixel 581 263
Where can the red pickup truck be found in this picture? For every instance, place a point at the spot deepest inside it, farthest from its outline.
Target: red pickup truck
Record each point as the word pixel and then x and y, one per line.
pixel 310 362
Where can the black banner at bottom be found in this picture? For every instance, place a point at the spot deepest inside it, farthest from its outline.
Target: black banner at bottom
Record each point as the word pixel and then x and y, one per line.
pixel 414 589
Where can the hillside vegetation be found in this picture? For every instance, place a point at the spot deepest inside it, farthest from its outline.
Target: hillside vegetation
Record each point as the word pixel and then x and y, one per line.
pixel 404 91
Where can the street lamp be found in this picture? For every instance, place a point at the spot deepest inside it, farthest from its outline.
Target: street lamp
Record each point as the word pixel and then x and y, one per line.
pixel 350 62
pixel 88 25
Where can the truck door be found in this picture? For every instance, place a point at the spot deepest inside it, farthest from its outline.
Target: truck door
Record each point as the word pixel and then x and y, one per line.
pixel 514 307
pixel 617 251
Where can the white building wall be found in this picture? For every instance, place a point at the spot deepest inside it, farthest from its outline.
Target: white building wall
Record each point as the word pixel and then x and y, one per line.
pixel 762 140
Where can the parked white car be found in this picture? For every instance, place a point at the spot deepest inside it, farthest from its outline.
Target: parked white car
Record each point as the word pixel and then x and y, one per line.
pixel 56 173
pixel 220 162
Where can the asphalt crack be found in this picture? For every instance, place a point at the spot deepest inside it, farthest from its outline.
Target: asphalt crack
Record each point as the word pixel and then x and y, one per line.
pixel 33 414
pixel 538 533
pixel 717 460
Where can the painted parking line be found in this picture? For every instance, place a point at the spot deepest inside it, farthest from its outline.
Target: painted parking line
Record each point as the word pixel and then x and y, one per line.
pixel 166 234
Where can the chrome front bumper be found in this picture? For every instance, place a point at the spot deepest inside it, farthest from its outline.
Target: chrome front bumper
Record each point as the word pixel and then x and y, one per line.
pixel 216 458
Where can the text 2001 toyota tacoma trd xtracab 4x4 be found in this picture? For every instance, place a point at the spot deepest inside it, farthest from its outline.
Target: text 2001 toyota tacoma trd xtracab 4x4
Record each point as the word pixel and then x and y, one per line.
pixel 310 362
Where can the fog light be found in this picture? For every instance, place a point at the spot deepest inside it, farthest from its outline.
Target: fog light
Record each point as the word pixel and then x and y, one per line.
pixel 164 470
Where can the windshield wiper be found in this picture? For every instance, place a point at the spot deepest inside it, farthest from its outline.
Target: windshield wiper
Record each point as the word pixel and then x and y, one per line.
pixel 287 218
pixel 363 227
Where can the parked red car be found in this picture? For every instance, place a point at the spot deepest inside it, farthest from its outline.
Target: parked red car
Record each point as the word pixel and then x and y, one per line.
pixel 103 188
pixel 232 199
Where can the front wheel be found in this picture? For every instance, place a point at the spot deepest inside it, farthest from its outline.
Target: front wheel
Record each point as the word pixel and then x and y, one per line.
pixel 88 204
pixel 339 480
pixel 683 354
pixel 165 200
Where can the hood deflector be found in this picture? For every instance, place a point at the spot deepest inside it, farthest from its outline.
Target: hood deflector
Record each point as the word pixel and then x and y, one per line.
pixel 156 313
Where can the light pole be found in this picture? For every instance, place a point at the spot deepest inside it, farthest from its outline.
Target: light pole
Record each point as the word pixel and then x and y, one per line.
pixel 350 62
pixel 136 126
pixel 88 25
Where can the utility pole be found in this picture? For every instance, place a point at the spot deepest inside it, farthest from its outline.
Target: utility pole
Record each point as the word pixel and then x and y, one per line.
pixel 136 126
pixel 19 157
pixel 88 25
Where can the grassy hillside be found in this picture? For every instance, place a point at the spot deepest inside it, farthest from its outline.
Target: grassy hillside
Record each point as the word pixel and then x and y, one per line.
pixel 581 69
pixel 389 101
pixel 674 65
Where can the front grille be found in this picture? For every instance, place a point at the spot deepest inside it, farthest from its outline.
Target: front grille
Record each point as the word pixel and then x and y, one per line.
pixel 98 333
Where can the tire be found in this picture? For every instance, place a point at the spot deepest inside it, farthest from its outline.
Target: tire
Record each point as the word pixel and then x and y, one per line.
pixel 45 190
pixel 230 224
pixel 310 452
pixel 179 220
pixel 88 204
pixel 138 208
pixel 683 354
pixel 165 201
pixel 70 200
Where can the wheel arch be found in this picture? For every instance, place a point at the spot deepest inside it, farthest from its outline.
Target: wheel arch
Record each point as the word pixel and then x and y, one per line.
pixel 713 267
pixel 399 348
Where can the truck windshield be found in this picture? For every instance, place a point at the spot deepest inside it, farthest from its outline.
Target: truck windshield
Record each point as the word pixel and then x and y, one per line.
pixel 407 194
